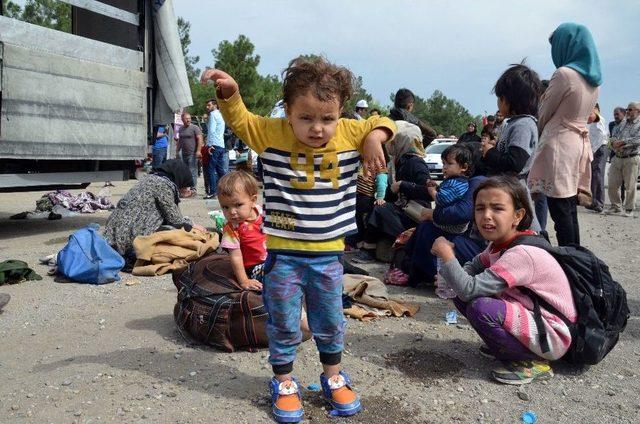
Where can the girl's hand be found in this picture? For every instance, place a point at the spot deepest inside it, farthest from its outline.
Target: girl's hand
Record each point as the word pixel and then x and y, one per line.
pixel 443 248
pixel 251 285
pixel 395 187
pixel 379 202
pixel 226 86
pixel 432 191
pixel 373 156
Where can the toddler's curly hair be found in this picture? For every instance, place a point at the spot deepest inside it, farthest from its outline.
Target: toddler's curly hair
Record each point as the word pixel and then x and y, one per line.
pixel 323 79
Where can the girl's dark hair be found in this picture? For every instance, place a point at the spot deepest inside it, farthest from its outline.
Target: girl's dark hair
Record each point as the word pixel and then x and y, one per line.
pixel 516 191
pixel 403 97
pixel 323 79
pixel 520 86
pixel 461 154
pixel 489 132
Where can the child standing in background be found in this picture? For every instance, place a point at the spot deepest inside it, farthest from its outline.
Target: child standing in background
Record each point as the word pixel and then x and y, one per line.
pixel 370 193
pixel 518 91
pixel 310 160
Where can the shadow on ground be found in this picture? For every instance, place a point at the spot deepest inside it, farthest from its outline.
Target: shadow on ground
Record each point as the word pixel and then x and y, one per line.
pixel 14 229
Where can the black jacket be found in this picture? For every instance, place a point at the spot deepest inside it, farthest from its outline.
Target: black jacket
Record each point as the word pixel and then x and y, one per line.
pixel 469 137
pixel 414 173
pixel 428 133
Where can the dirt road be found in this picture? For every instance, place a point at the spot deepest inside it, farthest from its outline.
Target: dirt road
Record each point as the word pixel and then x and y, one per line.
pixel 86 354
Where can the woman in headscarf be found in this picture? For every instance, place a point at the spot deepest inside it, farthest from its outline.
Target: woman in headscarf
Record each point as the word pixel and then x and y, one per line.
pixel 561 166
pixel 151 203
pixel 409 174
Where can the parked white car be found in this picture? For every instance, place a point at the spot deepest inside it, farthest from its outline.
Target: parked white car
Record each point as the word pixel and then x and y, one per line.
pixel 433 156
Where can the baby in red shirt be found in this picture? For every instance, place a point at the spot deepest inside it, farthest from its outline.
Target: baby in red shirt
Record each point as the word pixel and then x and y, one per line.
pixel 242 235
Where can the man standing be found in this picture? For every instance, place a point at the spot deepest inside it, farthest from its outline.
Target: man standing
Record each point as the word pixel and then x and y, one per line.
pixel 190 144
pixel 499 125
pixel 159 149
pixel 218 162
pixel 402 109
pixel 618 116
pixel 470 135
pixel 625 142
pixel 361 110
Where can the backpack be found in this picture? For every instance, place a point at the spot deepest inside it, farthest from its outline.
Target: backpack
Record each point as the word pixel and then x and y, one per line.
pixel 213 309
pixel 601 302
pixel 88 258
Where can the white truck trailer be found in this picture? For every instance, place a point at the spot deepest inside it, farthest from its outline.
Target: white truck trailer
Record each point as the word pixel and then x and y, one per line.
pixel 80 107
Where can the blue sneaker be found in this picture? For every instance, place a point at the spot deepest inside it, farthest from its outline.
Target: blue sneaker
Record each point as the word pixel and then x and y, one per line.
pixel 339 392
pixel 286 401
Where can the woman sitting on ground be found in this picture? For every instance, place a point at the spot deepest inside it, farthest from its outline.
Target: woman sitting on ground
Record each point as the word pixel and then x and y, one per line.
pixel 494 288
pixel 418 262
pixel 148 205
pixel 410 175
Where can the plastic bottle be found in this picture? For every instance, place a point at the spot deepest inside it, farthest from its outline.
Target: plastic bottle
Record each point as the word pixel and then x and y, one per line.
pixel 442 288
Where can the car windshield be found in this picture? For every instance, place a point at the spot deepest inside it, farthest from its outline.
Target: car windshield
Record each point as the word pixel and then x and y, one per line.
pixel 436 149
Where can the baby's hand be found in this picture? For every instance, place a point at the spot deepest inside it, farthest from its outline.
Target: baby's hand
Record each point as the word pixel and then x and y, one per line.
pixel 432 183
pixel 251 285
pixel 226 86
pixel 432 191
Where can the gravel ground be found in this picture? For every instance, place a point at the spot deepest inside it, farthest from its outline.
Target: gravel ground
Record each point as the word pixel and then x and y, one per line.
pixel 76 353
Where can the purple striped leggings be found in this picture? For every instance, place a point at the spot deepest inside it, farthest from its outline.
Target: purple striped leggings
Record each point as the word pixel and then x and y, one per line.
pixel 486 315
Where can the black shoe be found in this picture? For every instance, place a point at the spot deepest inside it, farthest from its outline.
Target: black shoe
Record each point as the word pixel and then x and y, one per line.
pixel 210 196
pixel 348 268
pixel 364 257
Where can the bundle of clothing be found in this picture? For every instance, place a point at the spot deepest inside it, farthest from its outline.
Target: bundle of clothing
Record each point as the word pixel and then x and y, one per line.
pixel 368 299
pixel 84 202
pixel 166 251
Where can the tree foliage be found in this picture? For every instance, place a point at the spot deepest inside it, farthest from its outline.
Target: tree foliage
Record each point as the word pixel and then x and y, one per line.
pixel 237 58
pixel 47 13
pixel 184 32
pixel 12 10
pixel 445 115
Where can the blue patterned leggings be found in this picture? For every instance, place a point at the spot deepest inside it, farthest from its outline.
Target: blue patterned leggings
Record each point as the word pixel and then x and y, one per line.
pixel 286 279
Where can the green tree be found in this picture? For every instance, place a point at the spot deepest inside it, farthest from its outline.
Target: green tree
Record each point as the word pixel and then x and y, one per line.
pixel 11 9
pixel 445 115
pixel 237 58
pixel 184 32
pixel 47 13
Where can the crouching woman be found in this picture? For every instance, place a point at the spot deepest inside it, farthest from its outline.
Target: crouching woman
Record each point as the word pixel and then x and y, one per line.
pixel 492 287
pixel 151 203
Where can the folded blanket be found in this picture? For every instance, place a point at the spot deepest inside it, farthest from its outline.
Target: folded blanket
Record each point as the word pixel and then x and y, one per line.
pixel 369 293
pixel 165 251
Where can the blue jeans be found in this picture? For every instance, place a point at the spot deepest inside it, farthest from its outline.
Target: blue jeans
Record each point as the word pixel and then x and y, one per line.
pixel 542 210
pixel 218 157
pixel 420 264
pixel 286 279
pixel 159 157
pixel 192 163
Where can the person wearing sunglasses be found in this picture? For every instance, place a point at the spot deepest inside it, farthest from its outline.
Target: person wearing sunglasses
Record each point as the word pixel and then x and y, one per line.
pixel 625 143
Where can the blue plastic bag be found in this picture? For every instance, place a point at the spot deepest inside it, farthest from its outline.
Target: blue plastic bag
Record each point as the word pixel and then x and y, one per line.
pixel 88 258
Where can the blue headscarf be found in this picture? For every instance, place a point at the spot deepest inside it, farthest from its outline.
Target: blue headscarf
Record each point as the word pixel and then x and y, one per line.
pixel 572 46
